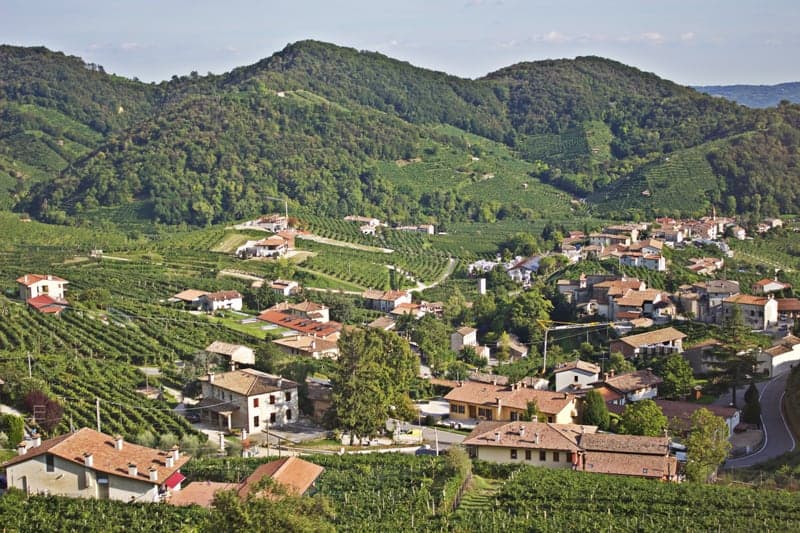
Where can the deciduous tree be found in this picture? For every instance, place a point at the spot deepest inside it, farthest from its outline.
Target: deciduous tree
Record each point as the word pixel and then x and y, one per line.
pixel 707 445
pixel 643 418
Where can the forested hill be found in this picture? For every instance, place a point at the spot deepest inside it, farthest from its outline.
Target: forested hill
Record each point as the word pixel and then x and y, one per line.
pixel 756 95
pixel 329 127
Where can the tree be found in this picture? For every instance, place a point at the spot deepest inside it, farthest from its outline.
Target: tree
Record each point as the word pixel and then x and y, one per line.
pixel 678 377
pixel 707 445
pixel 643 418
pixel 371 381
pixel 531 411
pixel 503 347
pixel 736 354
pixel 14 427
pixel 619 364
pixel 752 405
pixel 595 410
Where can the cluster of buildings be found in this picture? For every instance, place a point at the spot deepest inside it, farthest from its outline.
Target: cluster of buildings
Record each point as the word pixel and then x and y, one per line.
pixel 43 292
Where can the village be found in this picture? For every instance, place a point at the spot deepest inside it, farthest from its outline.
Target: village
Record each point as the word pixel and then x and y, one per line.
pixel 579 411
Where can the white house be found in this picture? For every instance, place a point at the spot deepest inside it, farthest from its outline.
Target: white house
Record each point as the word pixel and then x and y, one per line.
pixel 780 357
pixel 308 346
pixel 758 312
pixel 767 286
pixel 274 246
pixel 284 287
pixel 576 375
pixel 215 301
pixel 629 387
pixel 235 352
pixel 248 399
pixel 33 285
pixel 385 301
pixel 462 337
pixel 90 464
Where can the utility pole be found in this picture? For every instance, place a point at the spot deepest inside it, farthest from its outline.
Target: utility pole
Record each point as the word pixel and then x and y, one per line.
pixel 30 371
pixel 97 409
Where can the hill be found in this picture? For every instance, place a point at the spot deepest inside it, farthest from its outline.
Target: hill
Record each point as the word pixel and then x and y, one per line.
pixel 758 96
pixel 337 131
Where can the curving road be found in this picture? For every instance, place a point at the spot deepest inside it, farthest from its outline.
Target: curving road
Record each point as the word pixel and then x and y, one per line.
pixel 778 438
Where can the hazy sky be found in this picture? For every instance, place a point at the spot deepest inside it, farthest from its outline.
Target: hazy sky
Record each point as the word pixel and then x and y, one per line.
pixel 688 41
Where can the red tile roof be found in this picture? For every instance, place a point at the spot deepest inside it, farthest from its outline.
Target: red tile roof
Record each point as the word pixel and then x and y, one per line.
pixel 45 303
pixel 199 493
pixel 528 435
pixel 485 394
pixel 301 324
pixel 32 279
pixel 295 474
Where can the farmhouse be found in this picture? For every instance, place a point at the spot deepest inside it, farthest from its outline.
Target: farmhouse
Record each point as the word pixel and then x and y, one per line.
pixel 273 223
pixel 385 301
pixel 767 286
pixel 248 399
pixel 274 246
pixel 488 401
pixel 638 303
pixel 308 346
pixel 374 222
pixel 757 312
pixel 658 342
pixel 628 455
pixel 221 300
pixel 328 330
pixel 576 375
pixel 284 287
pixel 45 293
pixel 90 464
pixel 629 387
pixel 190 297
pixel 780 357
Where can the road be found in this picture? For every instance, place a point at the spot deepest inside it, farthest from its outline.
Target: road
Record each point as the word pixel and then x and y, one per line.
pixel 777 437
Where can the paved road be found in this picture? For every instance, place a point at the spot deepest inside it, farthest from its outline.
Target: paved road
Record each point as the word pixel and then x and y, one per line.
pixel 778 439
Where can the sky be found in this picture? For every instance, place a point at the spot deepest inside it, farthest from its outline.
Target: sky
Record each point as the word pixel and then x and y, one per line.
pixel 692 42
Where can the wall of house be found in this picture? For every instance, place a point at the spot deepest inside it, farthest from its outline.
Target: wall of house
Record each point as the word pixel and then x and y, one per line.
pixel 502 454
pixel 642 394
pixel 75 480
pixel 565 416
pixel 53 288
pixel 781 363
pixel 568 378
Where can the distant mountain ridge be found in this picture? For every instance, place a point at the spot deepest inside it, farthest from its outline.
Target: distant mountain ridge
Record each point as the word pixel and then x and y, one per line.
pixel 756 96
pixel 338 131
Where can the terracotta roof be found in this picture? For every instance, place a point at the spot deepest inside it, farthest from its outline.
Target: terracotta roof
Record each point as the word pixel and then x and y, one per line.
pixel 190 295
pixel 486 394
pixel 32 279
pixel 275 240
pixel 222 296
pixel 301 324
pixel 389 296
pixel 784 345
pixel 609 395
pixel 528 435
pixel 683 411
pixel 106 458
pixel 296 474
pixel 199 493
pixel 636 298
pixel 746 299
pixel 45 303
pixel 649 338
pixel 719 286
pixel 464 331
pixel 625 464
pixel 633 381
pixel 579 365
pixel 788 305
pixel 611 442
pixel 307 307
pixel 384 322
pixel 766 281
pixel 249 382
pixel 307 343
pixel 224 348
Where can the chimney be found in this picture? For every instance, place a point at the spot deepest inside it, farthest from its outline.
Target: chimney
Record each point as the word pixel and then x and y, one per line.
pixel 36 441
pixel 176 453
pixel 611 373
pixel 132 470
pixel 233 365
pixel 169 461
pixel 497 436
pixel 153 473
pixel 605 376
pixel 88 460
pixel 22 449
pixel 522 431
pixel 280 381
pixel 118 442
pixel 536 438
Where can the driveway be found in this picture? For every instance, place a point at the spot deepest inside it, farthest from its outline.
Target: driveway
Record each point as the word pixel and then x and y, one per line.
pixel 777 437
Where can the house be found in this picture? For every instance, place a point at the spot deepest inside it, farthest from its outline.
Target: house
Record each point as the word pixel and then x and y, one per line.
pixel 758 312
pixel 522 270
pixel 638 303
pixel 629 387
pixel 308 346
pixel 284 287
pixel 296 475
pixel 680 414
pixel 701 356
pixel 489 401
pixel 385 301
pixel 516 350
pixel 248 399
pixel 374 222
pixel 90 464
pixel 304 325
pixel 273 223
pixel 463 336
pixel 604 291
pixel 606 239
pixel 576 375
pixel 780 357
pixel 628 455
pixel 788 307
pixel 625 230
pixel 45 293
pixel 705 265
pixel 658 342
pixel 710 296
pixel 236 353
pixel 274 246
pixel 221 300
pixel 531 443
pixel 367 229
pixel 190 297
pixel 639 259
pixel 415 310
pixel 767 286
pixel 306 309
pixel 498 379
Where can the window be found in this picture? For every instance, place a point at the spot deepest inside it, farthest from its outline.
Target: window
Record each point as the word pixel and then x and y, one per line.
pixel 542 455
pixel 50 462
pixel 272 418
pixel 256 421
pixel 255 402
pixel 527 455
pixel 575 379
pixel 288 414
pixel 271 399
pixel 513 454
pixel 288 396
pixel 453 408
pixel 514 417
pixel 551 419
pixel 555 457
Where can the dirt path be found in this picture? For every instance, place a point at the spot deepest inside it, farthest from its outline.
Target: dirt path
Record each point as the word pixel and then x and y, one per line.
pixel 344 244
